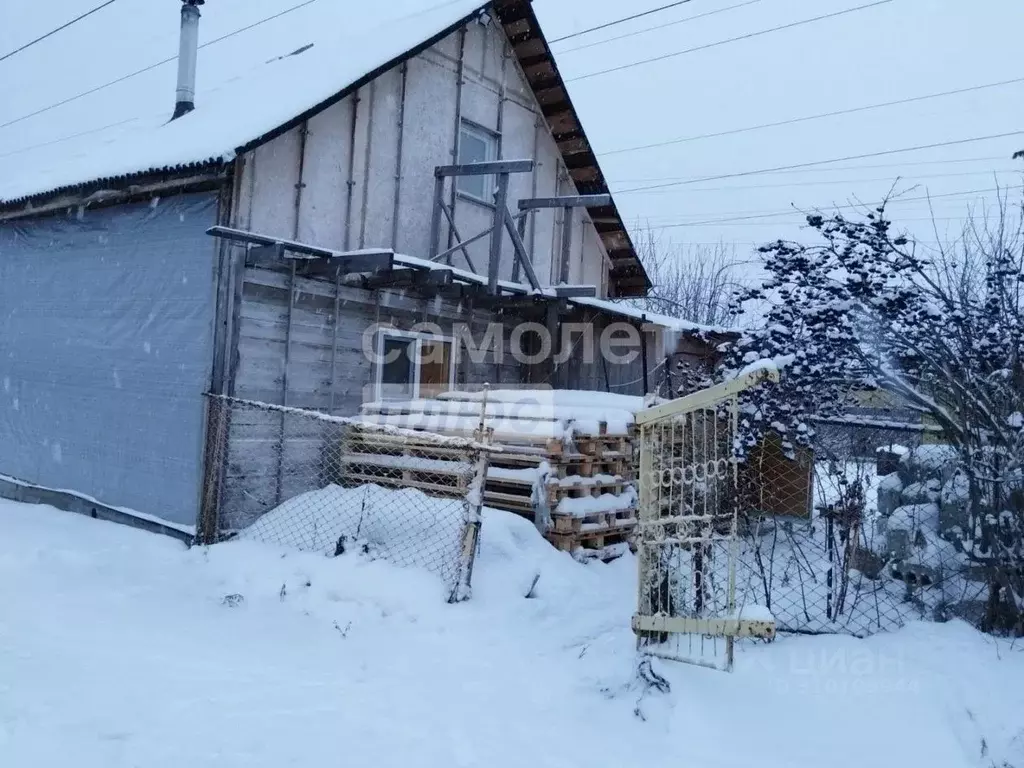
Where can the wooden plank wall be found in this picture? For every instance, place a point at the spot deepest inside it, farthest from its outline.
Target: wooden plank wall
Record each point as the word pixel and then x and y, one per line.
pixel 606 376
pixel 293 349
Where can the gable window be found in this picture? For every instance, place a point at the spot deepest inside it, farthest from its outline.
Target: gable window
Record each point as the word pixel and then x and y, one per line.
pixel 411 365
pixel 476 145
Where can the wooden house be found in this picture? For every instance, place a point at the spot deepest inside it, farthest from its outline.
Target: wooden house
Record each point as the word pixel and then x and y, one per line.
pixel 336 179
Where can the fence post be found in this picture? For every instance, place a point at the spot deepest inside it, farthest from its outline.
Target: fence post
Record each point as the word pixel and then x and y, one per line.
pixel 214 459
pixel 474 504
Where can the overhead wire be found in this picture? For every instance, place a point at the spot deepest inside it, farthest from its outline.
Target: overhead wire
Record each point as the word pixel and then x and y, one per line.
pixel 53 32
pixel 833 207
pixel 207 44
pixel 747 36
pixel 645 30
pixel 775 223
pixel 152 66
pixel 884 153
pixel 822 115
pixel 874 166
pixel 616 22
pixel 23 150
pixel 835 181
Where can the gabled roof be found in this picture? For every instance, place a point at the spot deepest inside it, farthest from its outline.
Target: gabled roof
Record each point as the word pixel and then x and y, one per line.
pixel 90 105
pixel 251 79
pixel 628 276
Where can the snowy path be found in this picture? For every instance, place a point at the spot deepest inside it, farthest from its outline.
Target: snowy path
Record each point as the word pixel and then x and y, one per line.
pixel 116 650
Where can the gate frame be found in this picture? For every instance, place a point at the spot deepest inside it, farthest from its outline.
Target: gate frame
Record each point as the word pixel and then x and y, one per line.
pixel 732 625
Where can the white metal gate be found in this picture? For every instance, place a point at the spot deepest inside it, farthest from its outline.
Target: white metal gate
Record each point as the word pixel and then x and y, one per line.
pixel 687 537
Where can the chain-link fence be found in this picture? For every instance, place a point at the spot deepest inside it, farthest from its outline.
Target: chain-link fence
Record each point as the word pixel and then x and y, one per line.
pixel 337 486
pixel 855 536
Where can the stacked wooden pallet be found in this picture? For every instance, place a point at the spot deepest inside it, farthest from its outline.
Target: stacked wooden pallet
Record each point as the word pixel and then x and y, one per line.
pixel 575 473
pixel 402 461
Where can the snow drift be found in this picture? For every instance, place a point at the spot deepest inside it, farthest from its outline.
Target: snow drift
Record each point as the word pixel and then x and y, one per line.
pixel 125 653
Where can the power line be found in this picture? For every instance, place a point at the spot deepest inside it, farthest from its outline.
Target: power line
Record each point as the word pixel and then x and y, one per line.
pixel 892 201
pixel 807 118
pixel 840 181
pixel 53 32
pixel 645 30
pixel 775 223
pixel 953 199
pixel 748 36
pixel 153 66
pixel 23 150
pixel 884 153
pixel 620 21
pixel 905 209
pixel 845 168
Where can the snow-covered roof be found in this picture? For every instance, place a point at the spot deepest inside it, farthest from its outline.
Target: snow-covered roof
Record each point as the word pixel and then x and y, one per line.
pixel 92 102
pixel 619 308
pixel 624 309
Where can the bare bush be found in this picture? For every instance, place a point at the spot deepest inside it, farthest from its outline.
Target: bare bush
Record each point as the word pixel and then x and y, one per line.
pixel 694 282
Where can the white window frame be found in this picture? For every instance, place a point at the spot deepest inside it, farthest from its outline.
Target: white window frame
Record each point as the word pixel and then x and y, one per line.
pixel 419 338
pixel 493 141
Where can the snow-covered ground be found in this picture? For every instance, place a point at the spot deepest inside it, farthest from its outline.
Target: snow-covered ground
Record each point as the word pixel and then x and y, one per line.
pixel 121 648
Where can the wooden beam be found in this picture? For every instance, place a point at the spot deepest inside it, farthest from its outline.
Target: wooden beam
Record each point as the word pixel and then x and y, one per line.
pixel 500 216
pixel 318 260
pixel 401 278
pixel 568 201
pixel 519 248
pixel 575 291
pixel 485 169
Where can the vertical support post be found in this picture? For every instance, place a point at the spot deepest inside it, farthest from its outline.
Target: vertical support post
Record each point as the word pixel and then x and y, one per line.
pixel 460 82
pixel 398 157
pixel 300 182
pixel 734 539
pixel 214 460
pixel 645 481
pixel 435 218
pixel 563 271
pixel 521 228
pixel 367 157
pixel 643 355
pixel 334 340
pixel 284 383
pixel 462 588
pixel 829 577
pixel 351 182
pixel 215 447
pixel 552 328
pixel 500 210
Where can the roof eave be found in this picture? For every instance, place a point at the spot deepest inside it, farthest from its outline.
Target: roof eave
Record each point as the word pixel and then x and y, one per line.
pixel 108 190
pixel 628 277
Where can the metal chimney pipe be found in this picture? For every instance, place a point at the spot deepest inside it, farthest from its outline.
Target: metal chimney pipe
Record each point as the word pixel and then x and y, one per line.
pixel 188 50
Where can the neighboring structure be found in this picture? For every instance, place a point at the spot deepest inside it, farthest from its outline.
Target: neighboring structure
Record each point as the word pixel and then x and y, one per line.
pixel 120 312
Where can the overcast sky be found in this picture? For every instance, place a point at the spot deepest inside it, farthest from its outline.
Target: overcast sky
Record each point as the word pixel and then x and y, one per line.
pixel 897 50
pixel 904 48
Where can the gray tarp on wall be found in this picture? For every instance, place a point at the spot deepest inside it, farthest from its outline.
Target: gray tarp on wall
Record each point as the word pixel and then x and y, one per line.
pixel 106 338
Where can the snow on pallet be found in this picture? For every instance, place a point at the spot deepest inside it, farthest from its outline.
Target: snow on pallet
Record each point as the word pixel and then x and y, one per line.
pixel 404 462
pixel 567 452
pixel 566 465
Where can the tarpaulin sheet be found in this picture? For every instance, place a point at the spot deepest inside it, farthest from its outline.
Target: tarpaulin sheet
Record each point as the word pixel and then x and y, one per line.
pixel 106 345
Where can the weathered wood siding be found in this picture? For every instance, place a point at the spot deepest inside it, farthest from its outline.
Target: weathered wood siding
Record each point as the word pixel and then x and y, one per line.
pixel 367 162
pixel 303 342
pixel 361 174
pixel 594 372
